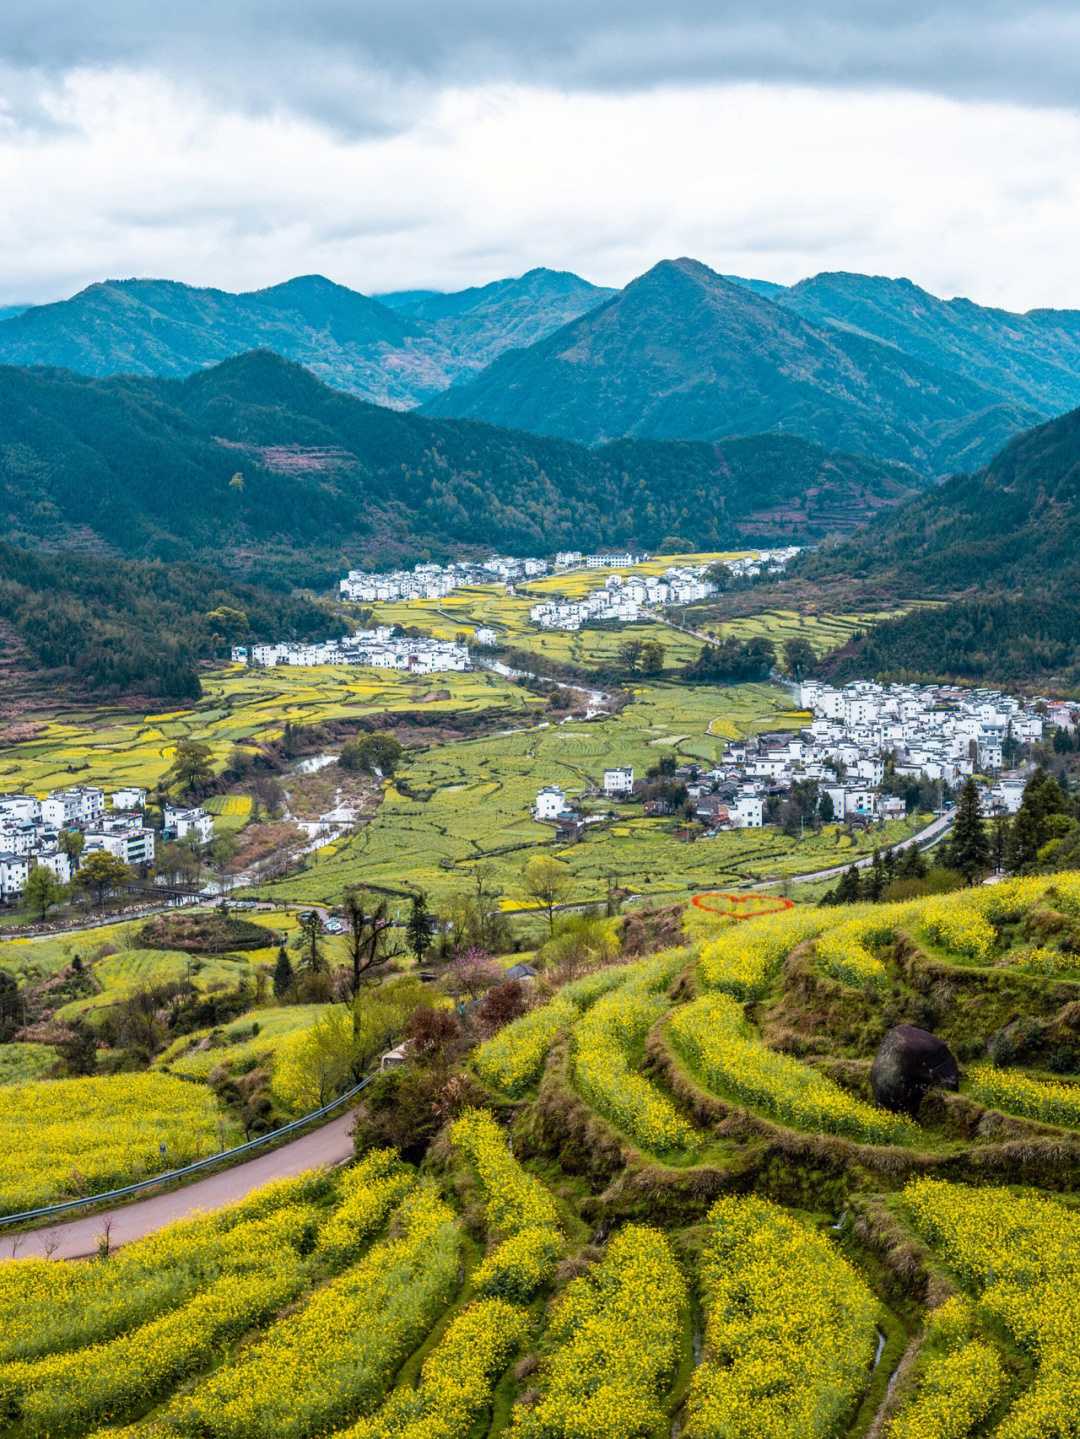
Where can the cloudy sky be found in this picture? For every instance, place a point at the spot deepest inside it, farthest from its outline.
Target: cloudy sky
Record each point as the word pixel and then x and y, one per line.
pixel 393 144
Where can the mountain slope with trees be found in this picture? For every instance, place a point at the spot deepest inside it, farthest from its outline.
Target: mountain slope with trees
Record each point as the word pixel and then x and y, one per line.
pixel 1001 544
pixel 257 465
pixel 682 353
pixel 1034 358
pixel 116 626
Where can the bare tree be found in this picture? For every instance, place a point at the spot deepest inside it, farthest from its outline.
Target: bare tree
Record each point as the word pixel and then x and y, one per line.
pixel 369 940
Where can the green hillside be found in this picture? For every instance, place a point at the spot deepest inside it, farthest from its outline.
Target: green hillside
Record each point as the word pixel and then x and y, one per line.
pixel 259 466
pixel 1002 545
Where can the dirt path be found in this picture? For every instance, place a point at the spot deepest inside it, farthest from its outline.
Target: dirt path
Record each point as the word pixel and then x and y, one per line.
pixel 77 1238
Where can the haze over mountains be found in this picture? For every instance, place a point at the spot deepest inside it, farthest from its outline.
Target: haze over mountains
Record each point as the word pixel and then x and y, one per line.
pixel 852 362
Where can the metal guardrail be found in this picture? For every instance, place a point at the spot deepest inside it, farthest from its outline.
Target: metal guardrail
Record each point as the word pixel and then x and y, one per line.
pixel 200 1164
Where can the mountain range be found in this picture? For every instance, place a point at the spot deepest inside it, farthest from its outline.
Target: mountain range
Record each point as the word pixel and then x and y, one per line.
pixel 684 353
pixel 395 353
pixel 854 362
pixel 259 466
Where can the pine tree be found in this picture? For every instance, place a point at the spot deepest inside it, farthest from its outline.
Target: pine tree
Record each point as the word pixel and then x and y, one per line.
pixel 283 974
pixel 913 863
pixel 969 848
pixel 875 878
pixel 417 927
pixel 849 890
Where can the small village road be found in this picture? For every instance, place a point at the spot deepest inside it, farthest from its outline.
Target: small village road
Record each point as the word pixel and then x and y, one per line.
pixel 77 1238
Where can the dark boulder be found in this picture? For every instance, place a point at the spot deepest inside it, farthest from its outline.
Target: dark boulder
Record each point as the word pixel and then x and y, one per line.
pixel 910 1061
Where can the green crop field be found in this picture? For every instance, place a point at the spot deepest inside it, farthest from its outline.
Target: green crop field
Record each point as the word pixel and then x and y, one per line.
pixel 468 803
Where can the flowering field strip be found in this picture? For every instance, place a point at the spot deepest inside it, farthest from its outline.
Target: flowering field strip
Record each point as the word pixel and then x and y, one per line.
pixel 744 961
pixel 960 926
pixel 1020 1254
pixel 366 1194
pixel 790 1328
pixel 603 1042
pixel 48 1308
pixel 1043 1100
pixel 519 1211
pixel 456 1381
pixel 966 923
pixel 845 950
pixel 584 992
pixel 957 1392
pixel 615 1337
pixel 65 1393
pixel 62 1136
pixel 514 1058
pixel 713 1036
pixel 332 1361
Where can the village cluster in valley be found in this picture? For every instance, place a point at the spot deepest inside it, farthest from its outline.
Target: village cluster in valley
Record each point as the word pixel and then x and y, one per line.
pixel 624 599
pixel 629 599
pixel 856 736
pixel 38 832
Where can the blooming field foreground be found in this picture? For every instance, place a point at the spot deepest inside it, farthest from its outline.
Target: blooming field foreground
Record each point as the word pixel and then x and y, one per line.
pixel 604 1238
pixel 63 1138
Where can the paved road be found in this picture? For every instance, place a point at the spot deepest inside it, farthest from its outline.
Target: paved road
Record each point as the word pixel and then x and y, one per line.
pixel 923 839
pixel 78 1237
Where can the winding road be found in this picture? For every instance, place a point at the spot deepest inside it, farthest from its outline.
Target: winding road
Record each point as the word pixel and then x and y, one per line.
pixel 79 1238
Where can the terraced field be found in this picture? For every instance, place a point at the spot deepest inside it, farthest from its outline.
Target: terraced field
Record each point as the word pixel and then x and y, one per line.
pixel 113 747
pixel 662 1202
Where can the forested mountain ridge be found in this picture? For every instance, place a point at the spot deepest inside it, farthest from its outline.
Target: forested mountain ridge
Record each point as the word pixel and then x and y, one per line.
pixel 258 465
pixel 1002 545
pixel 1012 524
pixel 384 353
pixel 684 353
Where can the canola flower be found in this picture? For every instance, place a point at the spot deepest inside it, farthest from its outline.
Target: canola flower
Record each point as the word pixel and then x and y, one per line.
pixel 616 1337
pixel 957 1392
pixel 368 1191
pixel 517 1207
pixel 64 1393
pixel 455 1382
pixel 713 1035
pixel 846 950
pixel 1020 1254
pixel 50 1308
pixel 62 1136
pixel 960 925
pixel 790 1328
pixel 332 1361
pixel 603 1042
pixel 513 1059
pixel 513 1199
pixel 520 1265
pixel 745 959
pixel 1041 959
pixel 1044 1100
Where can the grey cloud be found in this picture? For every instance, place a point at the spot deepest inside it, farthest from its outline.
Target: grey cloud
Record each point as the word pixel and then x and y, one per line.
pixel 369 66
